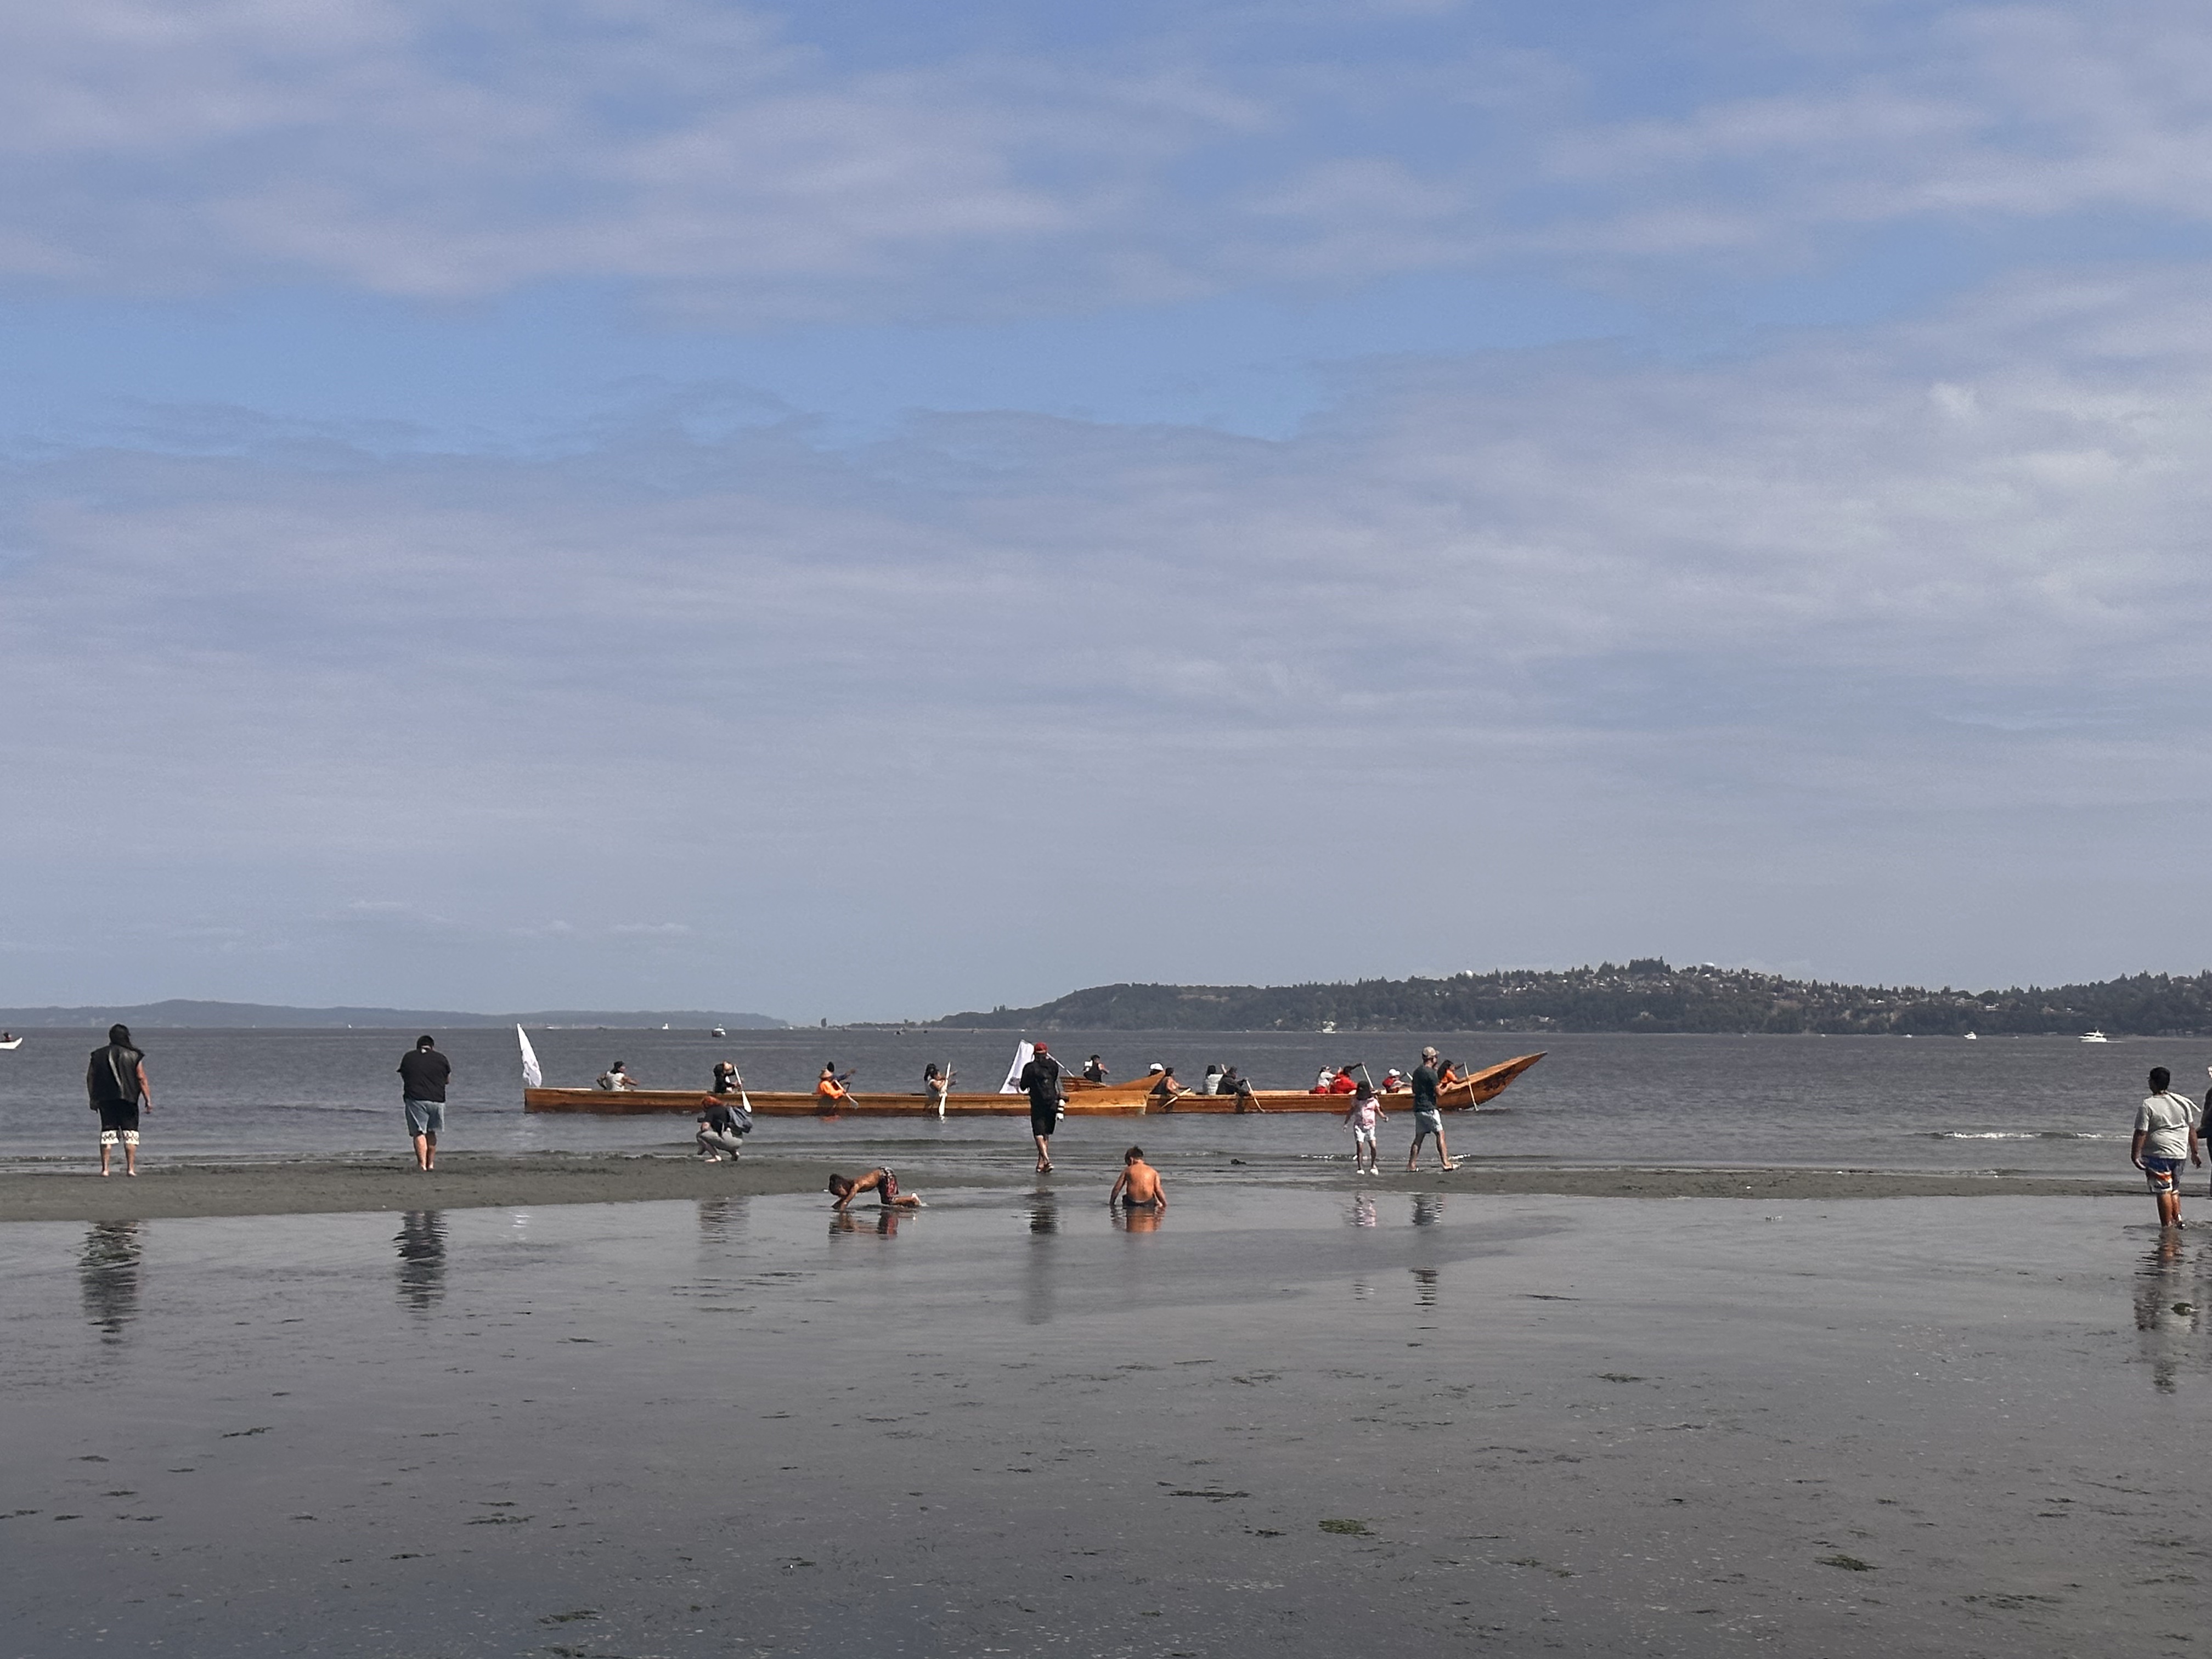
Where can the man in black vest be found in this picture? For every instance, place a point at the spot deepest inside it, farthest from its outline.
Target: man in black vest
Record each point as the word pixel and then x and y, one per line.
pixel 116 1083
pixel 1041 1079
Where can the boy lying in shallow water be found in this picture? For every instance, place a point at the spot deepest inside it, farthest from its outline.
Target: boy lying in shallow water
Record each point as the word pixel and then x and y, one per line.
pixel 880 1181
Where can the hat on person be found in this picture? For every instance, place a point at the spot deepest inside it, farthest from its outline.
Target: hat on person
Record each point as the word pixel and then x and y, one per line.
pixel 1428 1054
pixel 1155 1067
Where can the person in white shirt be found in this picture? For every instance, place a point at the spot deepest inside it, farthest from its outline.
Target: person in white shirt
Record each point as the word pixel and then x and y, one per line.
pixel 2166 1132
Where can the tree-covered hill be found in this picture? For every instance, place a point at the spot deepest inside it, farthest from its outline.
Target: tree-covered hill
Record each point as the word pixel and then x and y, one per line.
pixel 1643 995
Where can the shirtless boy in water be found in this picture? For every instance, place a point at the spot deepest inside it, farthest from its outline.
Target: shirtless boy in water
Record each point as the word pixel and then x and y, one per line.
pixel 1138 1186
pixel 882 1183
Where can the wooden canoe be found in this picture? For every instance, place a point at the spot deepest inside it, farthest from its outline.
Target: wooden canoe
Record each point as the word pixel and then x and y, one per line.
pixel 1115 1100
pixel 625 1102
pixel 1473 1090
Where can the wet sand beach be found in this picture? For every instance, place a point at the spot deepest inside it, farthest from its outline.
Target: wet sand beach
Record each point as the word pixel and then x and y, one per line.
pixel 1286 1420
pixel 74 1192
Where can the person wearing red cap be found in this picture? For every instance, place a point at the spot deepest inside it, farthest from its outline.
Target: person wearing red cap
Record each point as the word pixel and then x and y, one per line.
pixel 1040 1078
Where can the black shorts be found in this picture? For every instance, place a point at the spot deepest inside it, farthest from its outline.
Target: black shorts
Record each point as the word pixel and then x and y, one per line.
pixel 1140 1203
pixel 118 1115
pixel 1044 1124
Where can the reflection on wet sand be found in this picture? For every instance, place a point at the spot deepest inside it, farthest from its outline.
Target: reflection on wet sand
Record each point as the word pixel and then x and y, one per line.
pixel 1425 1287
pixel 2169 1328
pixel 1037 1270
pixel 421 1245
pixel 1362 1213
pixel 1428 1209
pixel 720 1220
pixel 108 1275
pixel 1137 1221
pixel 883 1223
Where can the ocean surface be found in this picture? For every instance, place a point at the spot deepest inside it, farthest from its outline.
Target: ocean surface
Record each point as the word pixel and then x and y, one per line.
pixel 2041 1105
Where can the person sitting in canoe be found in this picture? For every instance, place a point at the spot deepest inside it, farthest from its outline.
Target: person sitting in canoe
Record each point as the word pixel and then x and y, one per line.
pixel 1346 1084
pixel 829 1088
pixel 1234 1082
pixel 1165 1091
pixel 880 1181
pixel 1394 1081
pixel 1096 1071
pixel 726 1080
pixel 1325 1083
pixel 615 1077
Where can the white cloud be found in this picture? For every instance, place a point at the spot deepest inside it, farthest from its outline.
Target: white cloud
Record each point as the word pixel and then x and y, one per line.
pixel 1546 649
pixel 722 161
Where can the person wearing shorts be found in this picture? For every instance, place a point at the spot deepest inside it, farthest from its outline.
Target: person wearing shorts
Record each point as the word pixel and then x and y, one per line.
pixel 1040 1080
pixel 1138 1187
pixel 2166 1125
pixel 1428 1115
pixel 1365 1118
pixel 115 1085
pixel 423 1074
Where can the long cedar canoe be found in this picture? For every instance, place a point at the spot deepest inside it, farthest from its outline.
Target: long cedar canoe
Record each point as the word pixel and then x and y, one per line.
pixel 1114 1100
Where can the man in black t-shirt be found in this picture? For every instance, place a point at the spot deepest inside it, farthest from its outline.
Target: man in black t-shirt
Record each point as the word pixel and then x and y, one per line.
pixel 423 1076
pixel 1040 1080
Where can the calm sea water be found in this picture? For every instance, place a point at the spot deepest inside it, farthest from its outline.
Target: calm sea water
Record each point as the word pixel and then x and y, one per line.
pixel 2040 1104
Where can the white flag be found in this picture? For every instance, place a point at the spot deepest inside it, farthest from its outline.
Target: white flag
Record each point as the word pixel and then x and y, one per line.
pixel 531 1077
pixel 1024 1053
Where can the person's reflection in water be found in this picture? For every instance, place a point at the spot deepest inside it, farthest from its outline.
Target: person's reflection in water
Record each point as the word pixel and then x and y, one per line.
pixel 1362 1213
pixel 2168 1323
pixel 1428 1209
pixel 718 1220
pixel 108 1272
pixel 1425 1286
pixel 421 1248
pixel 1142 1220
pixel 883 1223
pixel 1037 1271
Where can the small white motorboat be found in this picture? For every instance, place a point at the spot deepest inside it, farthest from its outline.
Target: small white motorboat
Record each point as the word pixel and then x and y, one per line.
pixel 2094 1036
pixel 10 1041
pixel 720 1032
pixel 1971 1037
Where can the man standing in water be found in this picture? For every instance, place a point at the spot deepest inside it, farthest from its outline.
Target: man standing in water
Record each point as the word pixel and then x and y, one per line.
pixel 2166 1132
pixel 116 1083
pixel 422 1074
pixel 1040 1080
pixel 1428 1115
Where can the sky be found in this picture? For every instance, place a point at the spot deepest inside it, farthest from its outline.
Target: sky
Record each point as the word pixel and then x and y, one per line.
pixel 865 510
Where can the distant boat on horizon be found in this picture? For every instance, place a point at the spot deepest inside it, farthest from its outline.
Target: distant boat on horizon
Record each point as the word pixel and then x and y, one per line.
pixel 718 1031
pixel 10 1042
pixel 1971 1037
pixel 2095 1037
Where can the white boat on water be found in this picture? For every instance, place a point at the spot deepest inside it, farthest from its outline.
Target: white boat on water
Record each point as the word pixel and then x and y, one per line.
pixel 1971 1037
pixel 10 1042
pixel 720 1032
pixel 2095 1037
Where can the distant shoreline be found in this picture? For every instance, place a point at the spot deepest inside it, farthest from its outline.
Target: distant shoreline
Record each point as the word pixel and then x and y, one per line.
pixel 73 1192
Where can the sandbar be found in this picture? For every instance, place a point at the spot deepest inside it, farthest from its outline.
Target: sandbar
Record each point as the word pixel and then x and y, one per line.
pixel 476 1181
